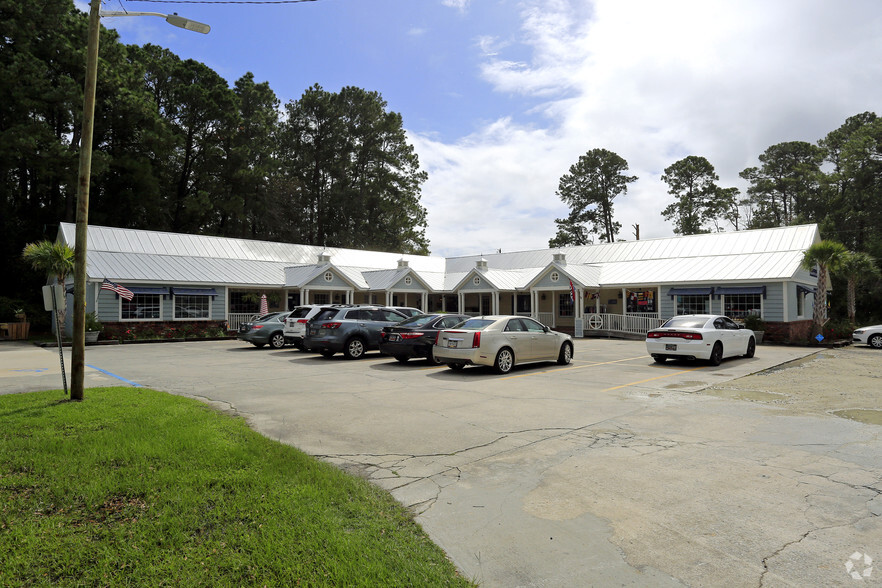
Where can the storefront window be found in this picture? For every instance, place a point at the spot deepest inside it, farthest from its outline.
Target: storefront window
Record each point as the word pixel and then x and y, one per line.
pixel 692 304
pixel 641 301
pixel 141 307
pixel 238 305
pixel 523 302
pixel 192 307
pixel 738 306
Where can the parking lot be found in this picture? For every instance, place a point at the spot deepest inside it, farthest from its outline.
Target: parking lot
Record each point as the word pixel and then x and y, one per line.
pixel 609 471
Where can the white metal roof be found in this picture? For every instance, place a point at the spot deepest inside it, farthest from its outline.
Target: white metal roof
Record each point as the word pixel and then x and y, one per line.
pixel 137 256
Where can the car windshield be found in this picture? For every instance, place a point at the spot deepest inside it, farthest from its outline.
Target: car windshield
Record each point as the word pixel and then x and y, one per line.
pixel 686 322
pixel 326 314
pixel 475 324
pixel 267 317
pixel 417 321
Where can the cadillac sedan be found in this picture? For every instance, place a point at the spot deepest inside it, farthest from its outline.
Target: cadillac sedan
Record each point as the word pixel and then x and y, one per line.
pixel 501 342
pixel 700 336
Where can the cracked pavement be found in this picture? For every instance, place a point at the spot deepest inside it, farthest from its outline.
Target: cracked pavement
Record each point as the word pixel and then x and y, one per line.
pixel 612 471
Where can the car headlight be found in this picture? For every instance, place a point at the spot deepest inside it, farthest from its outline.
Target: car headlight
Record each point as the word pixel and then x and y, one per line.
pixel 859 332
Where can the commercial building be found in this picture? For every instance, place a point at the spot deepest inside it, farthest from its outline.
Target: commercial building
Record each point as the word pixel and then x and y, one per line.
pixel 623 287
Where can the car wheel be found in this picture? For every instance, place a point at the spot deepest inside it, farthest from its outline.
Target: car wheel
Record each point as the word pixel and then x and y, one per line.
pixel 751 348
pixel 455 366
pixel 716 356
pixel 259 345
pixel 566 354
pixel 354 349
pixel 659 359
pixel 277 341
pixel 504 361
pixel 875 341
pixel 401 358
pixel 327 353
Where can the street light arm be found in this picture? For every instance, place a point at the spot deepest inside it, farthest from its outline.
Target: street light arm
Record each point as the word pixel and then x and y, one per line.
pixel 172 19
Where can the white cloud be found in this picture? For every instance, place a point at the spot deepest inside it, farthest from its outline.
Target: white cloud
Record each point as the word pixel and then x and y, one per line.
pixel 460 5
pixel 654 82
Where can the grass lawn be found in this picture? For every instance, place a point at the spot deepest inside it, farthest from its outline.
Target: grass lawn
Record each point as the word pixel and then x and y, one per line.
pixel 139 487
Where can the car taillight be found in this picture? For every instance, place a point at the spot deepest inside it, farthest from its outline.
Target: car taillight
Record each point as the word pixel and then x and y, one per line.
pixel 476 341
pixel 411 335
pixel 302 321
pixel 330 326
pixel 437 337
pixel 256 326
pixel 677 334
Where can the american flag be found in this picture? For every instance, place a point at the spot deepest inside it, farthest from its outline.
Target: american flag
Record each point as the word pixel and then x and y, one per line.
pixel 572 292
pixel 121 290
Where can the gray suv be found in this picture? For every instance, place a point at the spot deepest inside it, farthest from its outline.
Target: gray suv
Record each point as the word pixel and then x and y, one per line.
pixel 350 329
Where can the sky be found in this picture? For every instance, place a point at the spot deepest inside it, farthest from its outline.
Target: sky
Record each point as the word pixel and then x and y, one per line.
pixel 500 97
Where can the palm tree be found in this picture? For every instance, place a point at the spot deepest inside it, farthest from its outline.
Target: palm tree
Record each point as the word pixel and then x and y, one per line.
pixel 828 256
pixel 857 267
pixel 54 259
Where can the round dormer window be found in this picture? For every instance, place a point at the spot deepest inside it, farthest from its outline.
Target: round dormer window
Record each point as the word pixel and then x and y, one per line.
pixel 329 277
pixel 555 276
pixel 477 281
pixel 408 281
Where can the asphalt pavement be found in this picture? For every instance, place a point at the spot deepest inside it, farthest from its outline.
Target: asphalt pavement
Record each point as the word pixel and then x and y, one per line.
pixel 612 471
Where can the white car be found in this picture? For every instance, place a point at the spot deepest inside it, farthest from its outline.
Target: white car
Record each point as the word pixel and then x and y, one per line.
pixel 501 342
pixel 871 336
pixel 700 336
pixel 295 326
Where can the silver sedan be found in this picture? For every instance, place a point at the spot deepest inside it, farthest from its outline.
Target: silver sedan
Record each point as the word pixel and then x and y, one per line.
pixel 501 342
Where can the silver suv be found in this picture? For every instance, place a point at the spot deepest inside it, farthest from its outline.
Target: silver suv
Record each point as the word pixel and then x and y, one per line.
pixel 350 329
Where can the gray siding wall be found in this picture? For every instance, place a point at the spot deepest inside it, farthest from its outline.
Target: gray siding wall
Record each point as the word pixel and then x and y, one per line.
pixel 109 308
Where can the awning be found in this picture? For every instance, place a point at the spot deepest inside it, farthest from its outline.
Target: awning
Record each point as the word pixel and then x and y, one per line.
pixel 142 290
pixel 194 292
pixel 690 292
pixel 800 289
pixel 741 290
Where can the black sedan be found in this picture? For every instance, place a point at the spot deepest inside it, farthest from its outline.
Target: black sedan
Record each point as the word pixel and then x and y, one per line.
pixel 414 337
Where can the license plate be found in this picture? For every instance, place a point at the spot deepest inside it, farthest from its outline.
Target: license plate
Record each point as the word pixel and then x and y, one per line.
pixel 393 337
pixel 452 344
pixel 313 331
pixel 670 346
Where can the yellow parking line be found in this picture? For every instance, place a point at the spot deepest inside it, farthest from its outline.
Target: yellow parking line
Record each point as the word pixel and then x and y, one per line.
pixel 651 379
pixel 574 367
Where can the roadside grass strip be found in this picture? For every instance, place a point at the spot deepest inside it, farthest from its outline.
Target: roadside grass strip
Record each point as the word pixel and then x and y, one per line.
pixel 138 487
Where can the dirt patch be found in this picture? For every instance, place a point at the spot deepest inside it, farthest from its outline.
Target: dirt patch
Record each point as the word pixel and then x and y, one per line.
pixel 846 382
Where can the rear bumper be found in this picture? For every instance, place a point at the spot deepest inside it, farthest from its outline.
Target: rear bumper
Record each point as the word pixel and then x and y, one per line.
pixel 683 351
pixel 404 349
pixel 462 356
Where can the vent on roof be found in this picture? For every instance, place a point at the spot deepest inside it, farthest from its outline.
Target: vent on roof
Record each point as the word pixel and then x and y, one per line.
pixel 324 257
pixel 481 264
pixel 403 263
pixel 560 258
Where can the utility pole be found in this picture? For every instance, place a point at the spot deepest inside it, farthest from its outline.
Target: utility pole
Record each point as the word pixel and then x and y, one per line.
pixel 78 348
pixel 636 231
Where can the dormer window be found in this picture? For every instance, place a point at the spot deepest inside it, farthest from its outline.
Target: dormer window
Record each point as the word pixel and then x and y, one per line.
pixel 408 281
pixel 329 277
pixel 555 276
pixel 476 281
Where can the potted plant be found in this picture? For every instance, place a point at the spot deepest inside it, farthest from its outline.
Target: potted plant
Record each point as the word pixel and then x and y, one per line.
pixel 757 325
pixel 93 327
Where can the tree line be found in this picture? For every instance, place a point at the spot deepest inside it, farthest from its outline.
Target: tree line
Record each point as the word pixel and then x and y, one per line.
pixel 176 148
pixel 835 182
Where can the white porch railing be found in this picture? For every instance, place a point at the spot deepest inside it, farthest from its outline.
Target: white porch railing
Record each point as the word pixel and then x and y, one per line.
pixel 235 319
pixel 546 318
pixel 637 324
